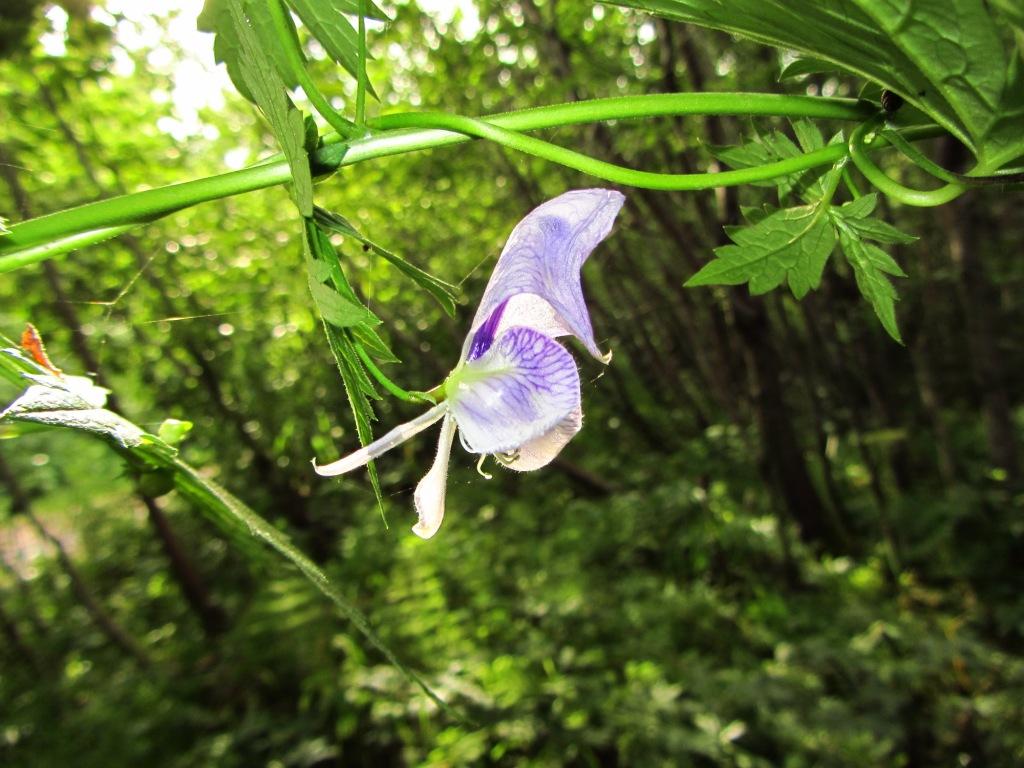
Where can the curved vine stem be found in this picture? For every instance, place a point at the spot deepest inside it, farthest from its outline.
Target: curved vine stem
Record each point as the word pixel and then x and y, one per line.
pixel 600 169
pixel 16 247
pixel 921 198
pixel 925 163
pixel 343 126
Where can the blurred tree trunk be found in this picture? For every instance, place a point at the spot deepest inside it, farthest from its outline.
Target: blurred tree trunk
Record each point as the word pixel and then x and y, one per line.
pixel 966 228
pixel 17 641
pixel 119 636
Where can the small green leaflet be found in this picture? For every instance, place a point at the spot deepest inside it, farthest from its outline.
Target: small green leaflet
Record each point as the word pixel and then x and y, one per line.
pixel 776 146
pixel 327 278
pixel 3 226
pixel 443 292
pixel 326 22
pixel 268 91
pixel 945 57
pixel 793 243
pixel 871 265
pixel 173 431
pixel 854 215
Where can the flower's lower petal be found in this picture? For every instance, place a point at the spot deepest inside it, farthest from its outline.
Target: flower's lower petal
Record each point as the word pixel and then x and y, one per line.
pixel 542 450
pixel 430 492
pixel 521 388
pixel 395 437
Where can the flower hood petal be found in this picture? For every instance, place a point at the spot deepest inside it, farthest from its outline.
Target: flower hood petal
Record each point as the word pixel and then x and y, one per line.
pixel 536 282
pixel 519 389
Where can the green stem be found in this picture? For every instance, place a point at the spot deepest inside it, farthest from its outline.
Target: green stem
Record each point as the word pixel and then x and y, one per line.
pixel 916 197
pixel 136 208
pixel 361 73
pixel 388 384
pixel 294 56
pixel 604 170
pixel 925 163
pixel 148 205
pixel 60 246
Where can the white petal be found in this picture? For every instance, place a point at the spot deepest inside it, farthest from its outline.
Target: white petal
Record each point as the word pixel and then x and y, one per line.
pixel 542 450
pixel 430 492
pixel 395 437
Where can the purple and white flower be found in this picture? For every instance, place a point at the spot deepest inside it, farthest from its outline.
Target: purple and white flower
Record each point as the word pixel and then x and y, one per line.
pixel 515 393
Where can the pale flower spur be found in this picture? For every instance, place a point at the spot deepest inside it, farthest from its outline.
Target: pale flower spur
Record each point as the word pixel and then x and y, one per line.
pixel 515 393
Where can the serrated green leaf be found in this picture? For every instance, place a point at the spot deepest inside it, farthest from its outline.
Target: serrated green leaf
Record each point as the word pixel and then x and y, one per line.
pixel 3 226
pixel 792 244
pixel 327 23
pixel 945 57
pixel 879 231
pixel 354 380
pixel 443 293
pixel 870 266
pixel 359 389
pixel 338 311
pixel 806 65
pixel 173 431
pixel 268 92
pixel 860 208
pixel 808 135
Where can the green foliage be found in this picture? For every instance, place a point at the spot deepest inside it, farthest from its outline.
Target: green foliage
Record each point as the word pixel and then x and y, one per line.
pixel 651 598
pixel 944 56
pixel 75 403
pixel 791 244
pixel 327 23
pixel 262 80
pixel 794 244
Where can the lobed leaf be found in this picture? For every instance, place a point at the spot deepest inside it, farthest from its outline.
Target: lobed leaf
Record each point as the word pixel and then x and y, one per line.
pixel 854 216
pixel 945 57
pixel 443 293
pixel 268 92
pixel 871 265
pixel 327 23
pixel 792 244
pixel 322 265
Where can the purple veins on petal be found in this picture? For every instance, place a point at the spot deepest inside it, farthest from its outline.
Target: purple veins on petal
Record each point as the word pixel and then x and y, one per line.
pixel 521 388
pixel 484 335
pixel 539 268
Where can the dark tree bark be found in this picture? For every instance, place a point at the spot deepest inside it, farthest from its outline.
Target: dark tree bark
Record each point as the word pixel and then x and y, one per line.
pixel 964 225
